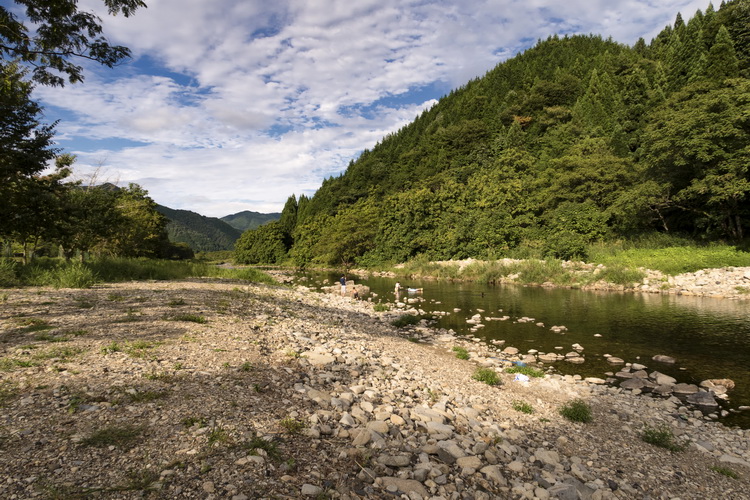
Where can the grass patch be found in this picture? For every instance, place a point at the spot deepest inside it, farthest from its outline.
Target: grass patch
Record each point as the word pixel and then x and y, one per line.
pixel 120 436
pixel 10 364
pixel 380 307
pixel 486 375
pixel 461 352
pixel 111 347
pixel 256 443
pixel 191 421
pixel 140 348
pixel 31 325
pixel 61 353
pixel 663 437
pixel 192 318
pixel 526 370
pixel 725 471
pixel 523 407
pixel 291 425
pixel 577 410
pixel 218 435
pixel 176 302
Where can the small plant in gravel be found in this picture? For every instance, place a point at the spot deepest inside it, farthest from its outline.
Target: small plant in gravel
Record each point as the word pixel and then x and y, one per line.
pixel 46 337
pixel 8 391
pixel 115 297
pixel 176 302
pixel 291 425
pixel 256 443
pixel 84 304
pixel 246 367
pixel 111 347
pixel 576 410
pixel 663 437
pixel 191 421
pixel 380 307
pixel 119 436
pixel 725 471
pixel 486 375
pixel 525 370
pixel 192 318
pixel 61 353
pixel 140 348
pixel 218 435
pixel 461 352
pixel 145 396
pixel 10 364
pixel 178 366
pixel 34 325
pixel 523 407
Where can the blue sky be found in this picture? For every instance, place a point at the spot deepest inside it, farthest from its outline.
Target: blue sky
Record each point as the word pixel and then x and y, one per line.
pixel 235 105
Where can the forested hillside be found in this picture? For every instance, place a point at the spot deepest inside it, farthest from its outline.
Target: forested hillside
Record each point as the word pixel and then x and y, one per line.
pixel 249 220
pixel 202 234
pixel 577 139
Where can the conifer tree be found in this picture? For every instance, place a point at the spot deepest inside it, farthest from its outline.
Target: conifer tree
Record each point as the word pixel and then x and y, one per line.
pixel 722 60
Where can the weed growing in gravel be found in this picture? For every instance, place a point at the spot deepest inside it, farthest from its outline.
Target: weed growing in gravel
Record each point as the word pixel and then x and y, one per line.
pixel 218 435
pixel 8 391
pixel 112 347
pixel 256 443
pixel 725 471
pixel 486 375
pixel 523 407
pixel 461 352
pixel 130 316
pixel 193 318
pixel 178 366
pixel 46 337
pixel 576 410
pixel 10 364
pixel 145 396
pixel 160 376
pixel 176 302
pixel 61 353
pixel 246 367
pixel 191 421
pixel 525 370
pixel 291 425
pixel 34 325
pixel 120 436
pixel 140 348
pixel 663 437
pixel 380 307
pixel 115 297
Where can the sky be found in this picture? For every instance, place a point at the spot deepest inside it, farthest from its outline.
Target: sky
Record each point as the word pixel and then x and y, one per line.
pixel 232 105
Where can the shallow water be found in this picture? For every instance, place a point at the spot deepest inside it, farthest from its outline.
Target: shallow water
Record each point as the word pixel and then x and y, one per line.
pixel 709 337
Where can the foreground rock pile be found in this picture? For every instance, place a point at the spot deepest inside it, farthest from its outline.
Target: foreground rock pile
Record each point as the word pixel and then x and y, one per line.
pixel 216 390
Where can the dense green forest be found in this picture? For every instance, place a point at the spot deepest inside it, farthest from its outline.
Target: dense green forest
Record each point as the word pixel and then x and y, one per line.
pixel 202 234
pixel 249 220
pixel 577 140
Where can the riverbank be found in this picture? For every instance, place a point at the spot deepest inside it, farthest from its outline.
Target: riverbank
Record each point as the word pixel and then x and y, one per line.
pixel 726 282
pixel 209 389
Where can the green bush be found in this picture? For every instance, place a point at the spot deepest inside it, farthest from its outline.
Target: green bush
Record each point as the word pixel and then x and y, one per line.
pixel 406 320
pixel 663 437
pixel 577 410
pixel 523 407
pixel 526 370
pixel 461 353
pixel 8 273
pixel 486 375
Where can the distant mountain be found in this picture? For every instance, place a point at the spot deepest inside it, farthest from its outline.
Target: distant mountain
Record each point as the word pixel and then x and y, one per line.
pixel 202 234
pixel 249 220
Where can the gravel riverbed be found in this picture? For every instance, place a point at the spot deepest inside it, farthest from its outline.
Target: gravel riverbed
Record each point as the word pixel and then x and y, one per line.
pixel 209 389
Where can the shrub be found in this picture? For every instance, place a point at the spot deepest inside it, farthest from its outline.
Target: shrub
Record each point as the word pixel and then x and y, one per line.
pixel 292 425
pixel 577 410
pixel 461 353
pixel 526 370
pixel 486 375
pixel 663 437
pixel 523 407
pixel 8 274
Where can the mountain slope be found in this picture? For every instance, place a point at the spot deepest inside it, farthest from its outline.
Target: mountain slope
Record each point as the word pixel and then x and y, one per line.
pixel 577 140
pixel 202 234
pixel 249 220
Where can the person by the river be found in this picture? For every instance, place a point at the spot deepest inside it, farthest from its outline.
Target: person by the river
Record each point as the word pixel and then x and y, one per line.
pixel 343 285
pixel 355 293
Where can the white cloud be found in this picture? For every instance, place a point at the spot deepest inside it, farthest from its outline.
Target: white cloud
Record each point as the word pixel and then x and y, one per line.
pixel 239 103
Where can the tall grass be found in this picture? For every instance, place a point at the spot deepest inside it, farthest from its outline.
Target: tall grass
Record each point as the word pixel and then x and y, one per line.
pixel 61 274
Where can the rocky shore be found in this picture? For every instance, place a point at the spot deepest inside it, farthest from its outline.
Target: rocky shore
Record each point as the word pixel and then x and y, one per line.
pixel 208 389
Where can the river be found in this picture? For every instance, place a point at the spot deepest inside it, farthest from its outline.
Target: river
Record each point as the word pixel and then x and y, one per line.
pixel 709 337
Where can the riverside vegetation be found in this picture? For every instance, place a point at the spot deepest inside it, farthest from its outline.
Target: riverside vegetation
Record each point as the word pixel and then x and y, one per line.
pixel 116 391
